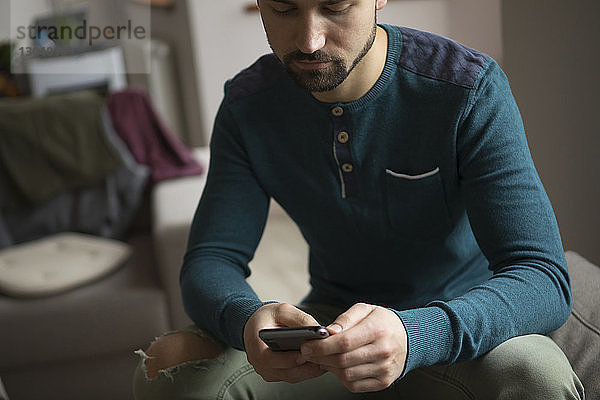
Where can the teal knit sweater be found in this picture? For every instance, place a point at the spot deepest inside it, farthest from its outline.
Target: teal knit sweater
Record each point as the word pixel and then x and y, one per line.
pixel 421 196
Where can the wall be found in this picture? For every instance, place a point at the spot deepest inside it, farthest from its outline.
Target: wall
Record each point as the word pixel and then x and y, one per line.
pixel 552 60
pixel 227 39
pixel 174 26
pixel 476 23
pixel 22 11
pixel 4 20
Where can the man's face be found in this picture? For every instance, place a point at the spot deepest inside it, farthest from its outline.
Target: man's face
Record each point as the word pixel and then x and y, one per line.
pixel 320 42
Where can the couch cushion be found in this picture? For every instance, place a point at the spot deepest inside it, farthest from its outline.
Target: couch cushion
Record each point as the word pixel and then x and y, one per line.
pixel 58 263
pixel 121 312
pixel 579 337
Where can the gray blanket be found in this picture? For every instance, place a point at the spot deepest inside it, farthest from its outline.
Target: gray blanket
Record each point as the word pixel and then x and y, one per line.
pixel 105 209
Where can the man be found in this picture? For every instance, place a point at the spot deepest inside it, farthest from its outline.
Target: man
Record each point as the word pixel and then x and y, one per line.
pixel 435 257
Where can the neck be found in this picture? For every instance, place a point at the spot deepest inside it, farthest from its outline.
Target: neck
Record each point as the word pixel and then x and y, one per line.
pixel 363 76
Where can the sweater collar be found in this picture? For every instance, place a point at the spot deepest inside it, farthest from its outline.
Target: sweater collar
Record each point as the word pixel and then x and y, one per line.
pixel 393 54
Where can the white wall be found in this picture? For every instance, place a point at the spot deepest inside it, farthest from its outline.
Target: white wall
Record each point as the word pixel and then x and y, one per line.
pixel 173 27
pixel 551 58
pixel 476 23
pixel 4 20
pixel 22 12
pixel 227 39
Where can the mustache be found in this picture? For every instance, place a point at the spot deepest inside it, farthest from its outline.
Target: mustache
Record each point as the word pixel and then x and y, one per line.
pixel 300 56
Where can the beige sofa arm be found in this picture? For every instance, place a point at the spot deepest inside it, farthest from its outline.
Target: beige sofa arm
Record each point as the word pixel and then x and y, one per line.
pixel 174 203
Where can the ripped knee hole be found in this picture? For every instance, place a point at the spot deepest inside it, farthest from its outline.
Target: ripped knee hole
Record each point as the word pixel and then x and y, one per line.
pixel 177 348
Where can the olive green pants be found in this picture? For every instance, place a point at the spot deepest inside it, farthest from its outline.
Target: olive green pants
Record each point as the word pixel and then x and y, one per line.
pixel 525 367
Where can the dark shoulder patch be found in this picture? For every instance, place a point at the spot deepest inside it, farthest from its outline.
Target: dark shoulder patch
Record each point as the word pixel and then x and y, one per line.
pixel 440 58
pixel 261 75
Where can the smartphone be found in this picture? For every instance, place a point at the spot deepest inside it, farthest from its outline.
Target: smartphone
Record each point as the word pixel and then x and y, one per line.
pixel 283 339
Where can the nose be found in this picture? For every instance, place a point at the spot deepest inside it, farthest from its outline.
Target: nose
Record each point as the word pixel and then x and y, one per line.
pixel 310 35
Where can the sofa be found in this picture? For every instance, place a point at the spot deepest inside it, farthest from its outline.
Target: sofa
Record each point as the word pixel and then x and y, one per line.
pixel 78 341
pixel 79 344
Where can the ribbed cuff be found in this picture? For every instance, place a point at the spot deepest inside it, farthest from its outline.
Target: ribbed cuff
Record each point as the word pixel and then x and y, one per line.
pixel 237 313
pixel 429 335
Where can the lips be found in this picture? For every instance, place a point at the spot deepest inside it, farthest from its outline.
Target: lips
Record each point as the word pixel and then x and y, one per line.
pixel 312 65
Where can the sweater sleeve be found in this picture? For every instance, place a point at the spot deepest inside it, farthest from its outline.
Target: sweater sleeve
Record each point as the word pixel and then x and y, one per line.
pixel 515 227
pixel 225 232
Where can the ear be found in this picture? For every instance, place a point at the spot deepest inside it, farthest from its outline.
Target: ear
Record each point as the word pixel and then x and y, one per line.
pixel 379 4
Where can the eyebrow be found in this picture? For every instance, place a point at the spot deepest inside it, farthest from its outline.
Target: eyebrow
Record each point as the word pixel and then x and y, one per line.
pixel 325 2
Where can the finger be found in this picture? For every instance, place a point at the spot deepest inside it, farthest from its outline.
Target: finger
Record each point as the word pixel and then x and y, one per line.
pixel 356 373
pixel 338 344
pixel 367 385
pixel 351 317
pixel 302 373
pixel 363 378
pixel 288 315
pixel 292 375
pixel 362 355
pixel 350 339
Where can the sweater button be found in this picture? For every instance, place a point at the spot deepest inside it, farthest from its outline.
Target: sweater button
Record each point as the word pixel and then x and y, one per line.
pixel 347 167
pixel 343 137
pixel 337 111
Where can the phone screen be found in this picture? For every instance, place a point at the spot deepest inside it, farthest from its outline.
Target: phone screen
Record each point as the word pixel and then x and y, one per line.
pixel 285 339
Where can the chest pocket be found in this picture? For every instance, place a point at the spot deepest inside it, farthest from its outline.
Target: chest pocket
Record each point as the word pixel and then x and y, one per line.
pixel 416 205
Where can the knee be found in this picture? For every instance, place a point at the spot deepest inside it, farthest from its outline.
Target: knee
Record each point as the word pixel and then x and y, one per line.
pixel 177 348
pixel 532 367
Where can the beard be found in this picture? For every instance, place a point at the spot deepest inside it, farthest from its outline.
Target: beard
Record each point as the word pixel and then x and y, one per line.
pixel 326 79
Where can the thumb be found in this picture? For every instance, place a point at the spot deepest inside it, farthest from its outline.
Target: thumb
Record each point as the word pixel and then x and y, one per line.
pixel 288 315
pixel 351 317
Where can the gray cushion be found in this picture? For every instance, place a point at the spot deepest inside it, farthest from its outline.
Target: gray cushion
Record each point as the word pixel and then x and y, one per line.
pixel 117 314
pixel 579 337
pixel 57 263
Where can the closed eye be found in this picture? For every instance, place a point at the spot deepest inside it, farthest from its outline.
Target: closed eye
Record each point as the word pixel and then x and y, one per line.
pixel 338 8
pixel 282 9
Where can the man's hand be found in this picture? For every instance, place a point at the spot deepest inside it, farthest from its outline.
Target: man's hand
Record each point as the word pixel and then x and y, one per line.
pixel 367 350
pixel 275 366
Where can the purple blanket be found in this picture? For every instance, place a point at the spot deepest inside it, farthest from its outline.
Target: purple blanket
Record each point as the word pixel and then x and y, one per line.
pixel 149 140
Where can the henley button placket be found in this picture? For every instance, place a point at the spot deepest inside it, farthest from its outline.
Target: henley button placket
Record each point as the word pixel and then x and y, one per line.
pixel 342 153
pixel 343 137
